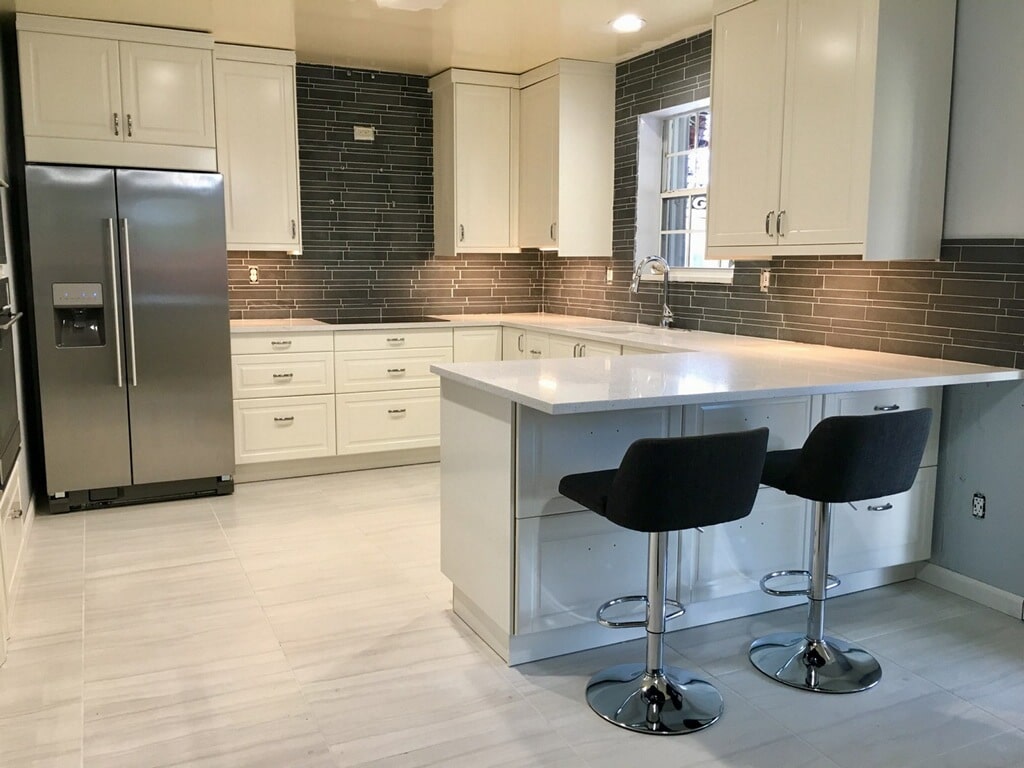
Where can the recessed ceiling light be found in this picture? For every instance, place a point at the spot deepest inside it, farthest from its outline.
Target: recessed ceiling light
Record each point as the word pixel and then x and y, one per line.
pixel 628 22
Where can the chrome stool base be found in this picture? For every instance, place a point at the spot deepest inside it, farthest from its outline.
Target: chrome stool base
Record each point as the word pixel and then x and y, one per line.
pixel 668 702
pixel 823 666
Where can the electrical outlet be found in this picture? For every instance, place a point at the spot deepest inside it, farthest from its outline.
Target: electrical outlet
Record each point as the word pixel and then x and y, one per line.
pixel 363 132
pixel 978 506
pixel 254 275
pixel 608 275
pixel 766 280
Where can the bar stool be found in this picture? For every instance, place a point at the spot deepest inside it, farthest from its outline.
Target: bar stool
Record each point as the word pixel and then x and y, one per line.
pixel 844 459
pixel 664 485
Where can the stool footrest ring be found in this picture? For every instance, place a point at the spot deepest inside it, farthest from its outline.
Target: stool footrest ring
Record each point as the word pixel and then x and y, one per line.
pixel 833 582
pixel 679 611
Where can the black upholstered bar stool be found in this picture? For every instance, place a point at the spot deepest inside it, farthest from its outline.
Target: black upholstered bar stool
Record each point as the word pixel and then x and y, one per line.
pixel 844 459
pixel 664 485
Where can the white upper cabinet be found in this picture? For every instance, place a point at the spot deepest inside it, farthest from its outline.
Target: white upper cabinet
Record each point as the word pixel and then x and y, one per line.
pixel 566 165
pixel 476 157
pixel 167 94
pixel 259 158
pixel 116 94
pixel 71 86
pixel 830 129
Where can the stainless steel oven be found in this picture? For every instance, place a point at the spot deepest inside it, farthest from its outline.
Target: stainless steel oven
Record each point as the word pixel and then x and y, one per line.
pixel 10 428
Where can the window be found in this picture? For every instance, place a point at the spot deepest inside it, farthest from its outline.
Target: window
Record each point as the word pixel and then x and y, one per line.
pixel 673 155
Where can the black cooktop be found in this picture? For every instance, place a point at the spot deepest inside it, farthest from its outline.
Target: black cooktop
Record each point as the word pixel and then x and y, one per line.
pixel 367 321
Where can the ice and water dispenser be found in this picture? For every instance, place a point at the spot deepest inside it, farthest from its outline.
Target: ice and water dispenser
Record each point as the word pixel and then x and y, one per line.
pixel 78 314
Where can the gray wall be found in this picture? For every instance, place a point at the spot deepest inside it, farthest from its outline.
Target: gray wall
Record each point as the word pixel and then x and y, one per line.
pixel 983 426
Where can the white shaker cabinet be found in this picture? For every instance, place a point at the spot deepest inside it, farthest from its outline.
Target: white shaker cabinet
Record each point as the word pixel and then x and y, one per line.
pixel 476 158
pixel 566 168
pixel 830 128
pixel 116 94
pixel 258 156
pixel 474 345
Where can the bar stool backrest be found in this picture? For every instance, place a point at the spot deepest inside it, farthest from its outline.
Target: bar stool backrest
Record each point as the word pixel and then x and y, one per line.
pixel 852 458
pixel 676 483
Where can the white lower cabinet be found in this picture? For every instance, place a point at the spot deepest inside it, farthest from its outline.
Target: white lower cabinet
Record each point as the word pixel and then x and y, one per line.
pixel 308 373
pixel 388 421
pixel 513 344
pixel 561 346
pixel 789 419
pixel 568 565
pixel 590 348
pixel 887 531
pixel 279 428
pixel 731 558
pixel 12 530
pixel 373 370
pixel 476 345
pixel 890 400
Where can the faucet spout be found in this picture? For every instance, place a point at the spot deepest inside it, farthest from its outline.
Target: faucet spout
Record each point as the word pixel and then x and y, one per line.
pixel 658 265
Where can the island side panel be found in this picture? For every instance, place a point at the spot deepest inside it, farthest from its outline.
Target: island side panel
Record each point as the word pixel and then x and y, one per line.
pixel 476 508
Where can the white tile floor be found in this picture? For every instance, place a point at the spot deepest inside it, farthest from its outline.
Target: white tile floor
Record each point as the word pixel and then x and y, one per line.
pixel 305 623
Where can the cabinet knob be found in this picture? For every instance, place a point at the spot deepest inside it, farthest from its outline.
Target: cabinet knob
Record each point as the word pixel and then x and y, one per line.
pixel 294 229
pixel 885 408
pixel 128 124
pixel 396 340
pixel 117 125
pixel 396 411
pixel 283 375
pixel 768 223
pixel 284 419
pixel 462 233
pixel 879 507
pixel 778 223
pixel 284 343
pixel 396 370
pixel 519 342
pixel 14 514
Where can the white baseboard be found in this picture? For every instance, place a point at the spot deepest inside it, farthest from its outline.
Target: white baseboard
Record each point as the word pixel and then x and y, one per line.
pixel 972 589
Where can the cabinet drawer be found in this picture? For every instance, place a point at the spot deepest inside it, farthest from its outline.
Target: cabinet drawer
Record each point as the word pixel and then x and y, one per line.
pixel 788 419
pixel 276 428
pixel 263 343
pixel 401 369
pixel 308 373
pixel 383 421
pixel 395 338
pixel 887 400
pixel 887 531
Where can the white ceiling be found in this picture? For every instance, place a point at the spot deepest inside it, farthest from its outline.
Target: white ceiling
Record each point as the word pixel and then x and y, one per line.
pixel 497 35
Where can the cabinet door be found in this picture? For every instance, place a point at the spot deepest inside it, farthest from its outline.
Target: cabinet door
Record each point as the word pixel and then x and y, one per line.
pixel 258 156
pixel 388 421
pixel 830 76
pixel 537 346
pixel 599 349
pixel 746 127
pixel 513 344
pixel 483 159
pixel 167 92
pixel 279 428
pixel 538 164
pixel 70 86
pixel 476 345
pixel 562 346
pixel 888 400
pixel 887 531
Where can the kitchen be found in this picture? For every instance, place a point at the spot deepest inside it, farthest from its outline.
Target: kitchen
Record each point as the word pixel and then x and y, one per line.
pixel 397 277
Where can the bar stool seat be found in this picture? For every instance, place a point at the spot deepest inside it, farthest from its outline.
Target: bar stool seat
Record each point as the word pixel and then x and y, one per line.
pixel 664 485
pixel 844 459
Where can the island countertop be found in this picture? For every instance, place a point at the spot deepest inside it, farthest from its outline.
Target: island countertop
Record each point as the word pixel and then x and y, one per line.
pixel 706 368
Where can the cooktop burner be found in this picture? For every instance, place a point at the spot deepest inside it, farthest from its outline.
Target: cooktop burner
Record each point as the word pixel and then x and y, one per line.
pixel 366 321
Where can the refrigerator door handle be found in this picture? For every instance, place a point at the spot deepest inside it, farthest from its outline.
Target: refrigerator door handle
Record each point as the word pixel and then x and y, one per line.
pixel 129 300
pixel 116 298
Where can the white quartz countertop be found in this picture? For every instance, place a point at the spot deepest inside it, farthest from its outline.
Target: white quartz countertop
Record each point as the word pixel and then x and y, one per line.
pixel 709 368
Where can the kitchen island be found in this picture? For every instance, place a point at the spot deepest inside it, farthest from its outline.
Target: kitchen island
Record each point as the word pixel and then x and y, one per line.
pixel 529 568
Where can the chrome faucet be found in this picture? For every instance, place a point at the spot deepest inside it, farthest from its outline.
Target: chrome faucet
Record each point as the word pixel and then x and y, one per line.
pixel 659 265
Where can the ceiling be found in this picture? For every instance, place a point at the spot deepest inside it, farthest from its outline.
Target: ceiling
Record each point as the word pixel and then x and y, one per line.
pixel 415 36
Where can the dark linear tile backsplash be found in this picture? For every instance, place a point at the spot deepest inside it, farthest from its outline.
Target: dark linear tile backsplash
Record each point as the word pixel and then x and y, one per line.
pixel 368 242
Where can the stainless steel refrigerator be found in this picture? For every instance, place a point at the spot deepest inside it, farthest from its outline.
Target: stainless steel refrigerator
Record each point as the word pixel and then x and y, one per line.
pixel 128 273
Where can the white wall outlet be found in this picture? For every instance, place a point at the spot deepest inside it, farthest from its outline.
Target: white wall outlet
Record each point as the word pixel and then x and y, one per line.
pixel 978 506
pixel 254 275
pixel 363 132
pixel 766 280
pixel 608 275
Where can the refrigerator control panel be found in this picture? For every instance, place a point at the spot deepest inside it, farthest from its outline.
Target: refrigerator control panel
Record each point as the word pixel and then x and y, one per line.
pixel 78 294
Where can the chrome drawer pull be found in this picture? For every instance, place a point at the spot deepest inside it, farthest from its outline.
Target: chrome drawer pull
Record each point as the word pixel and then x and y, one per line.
pixel 286 343
pixel 396 340
pixel 283 375
pixel 396 370
pixel 284 418
pixel 879 507
pixel 892 407
pixel 396 410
